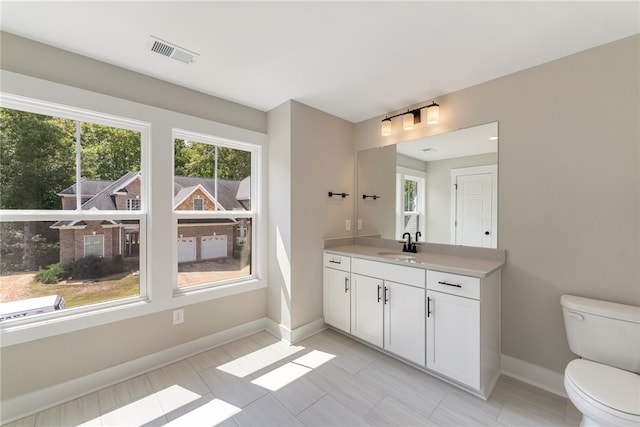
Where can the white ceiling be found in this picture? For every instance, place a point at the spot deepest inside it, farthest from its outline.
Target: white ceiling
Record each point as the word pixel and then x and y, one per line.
pixel 460 143
pixel 354 59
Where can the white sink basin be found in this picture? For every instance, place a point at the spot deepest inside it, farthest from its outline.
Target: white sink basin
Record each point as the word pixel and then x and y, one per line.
pixel 398 256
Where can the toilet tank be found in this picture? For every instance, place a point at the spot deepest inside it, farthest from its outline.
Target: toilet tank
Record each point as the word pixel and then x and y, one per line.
pixel 603 331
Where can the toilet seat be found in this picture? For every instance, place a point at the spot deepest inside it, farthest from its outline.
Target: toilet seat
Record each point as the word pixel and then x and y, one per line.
pixel 609 394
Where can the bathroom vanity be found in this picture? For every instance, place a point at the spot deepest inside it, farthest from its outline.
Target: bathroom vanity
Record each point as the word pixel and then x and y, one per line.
pixel 438 310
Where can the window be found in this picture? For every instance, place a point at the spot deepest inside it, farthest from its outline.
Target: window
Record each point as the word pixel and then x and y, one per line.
pixel 213 193
pixel 94 246
pixel 56 222
pixel 198 204
pixel 66 175
pixel 133 204
pixel 410 211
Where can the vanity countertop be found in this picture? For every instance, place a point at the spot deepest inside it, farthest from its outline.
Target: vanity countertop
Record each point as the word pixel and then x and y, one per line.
pixel 467 265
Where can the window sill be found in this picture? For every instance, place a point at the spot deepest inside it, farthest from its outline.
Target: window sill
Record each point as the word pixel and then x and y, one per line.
pixel 20 331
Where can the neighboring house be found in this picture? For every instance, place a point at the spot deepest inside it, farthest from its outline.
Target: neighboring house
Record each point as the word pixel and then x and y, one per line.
pixel 198 239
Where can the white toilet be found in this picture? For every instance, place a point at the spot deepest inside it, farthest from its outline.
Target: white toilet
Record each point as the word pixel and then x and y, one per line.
pixel 605 383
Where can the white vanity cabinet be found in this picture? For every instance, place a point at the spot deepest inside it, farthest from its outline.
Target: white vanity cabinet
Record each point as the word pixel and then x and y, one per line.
pixel 388 307
pixel 337 291
pixel 446 324
pixel 367 309
pixel 463 328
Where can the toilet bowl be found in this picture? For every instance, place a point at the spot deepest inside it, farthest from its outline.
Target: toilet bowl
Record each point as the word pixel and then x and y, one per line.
pixel 605 396
pixel 604 385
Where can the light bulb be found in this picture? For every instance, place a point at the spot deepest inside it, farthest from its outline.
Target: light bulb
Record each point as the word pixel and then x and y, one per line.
pixel 433 114
pixel 385 127
pixel 407 121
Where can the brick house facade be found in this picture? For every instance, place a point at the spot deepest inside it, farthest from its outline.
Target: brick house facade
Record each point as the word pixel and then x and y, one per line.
pixel 197 239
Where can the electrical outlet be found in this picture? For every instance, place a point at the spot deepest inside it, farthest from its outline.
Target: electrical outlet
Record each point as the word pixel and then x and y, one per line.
pixel 178 316
pixel 359 224
pixel 347 225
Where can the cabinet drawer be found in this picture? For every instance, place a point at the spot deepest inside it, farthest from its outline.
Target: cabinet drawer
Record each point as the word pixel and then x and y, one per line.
pixel 339 262
pixel 392 272
pixel 454 284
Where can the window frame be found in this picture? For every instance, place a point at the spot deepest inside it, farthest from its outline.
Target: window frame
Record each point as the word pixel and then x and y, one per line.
pixel 158 238
pixel 132 202
pixel 201 208
pixel 92 236
pixel 83 115
pixel 252 214
pixel 403 174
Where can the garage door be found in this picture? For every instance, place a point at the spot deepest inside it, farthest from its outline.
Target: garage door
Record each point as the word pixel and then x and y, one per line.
pixel 214 247
pixel 186 249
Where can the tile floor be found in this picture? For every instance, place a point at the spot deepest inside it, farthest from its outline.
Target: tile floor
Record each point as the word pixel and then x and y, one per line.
pixel 325 380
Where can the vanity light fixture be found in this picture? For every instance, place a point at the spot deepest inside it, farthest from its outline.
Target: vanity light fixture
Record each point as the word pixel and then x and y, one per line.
pixel 411 118
pixel 386 127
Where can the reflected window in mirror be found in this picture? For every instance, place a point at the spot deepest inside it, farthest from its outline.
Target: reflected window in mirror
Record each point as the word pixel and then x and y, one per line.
pixel 410 201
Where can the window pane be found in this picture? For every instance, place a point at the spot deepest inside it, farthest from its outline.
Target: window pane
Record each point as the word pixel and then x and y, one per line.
pixel 45 258
pixel 219 176
pixel 37 159
pixel 212 250
pixel 94 246
pixel 110 170
pixel 410 195
pixel 38 163
pixel 133 204
pixel 411 223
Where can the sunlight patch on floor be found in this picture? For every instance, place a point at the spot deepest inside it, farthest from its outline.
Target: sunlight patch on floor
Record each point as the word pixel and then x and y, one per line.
pixel 286 374
pixel 259 359
pixel 147 409
pixel 314 358
pixel 210 414
pixel 281 376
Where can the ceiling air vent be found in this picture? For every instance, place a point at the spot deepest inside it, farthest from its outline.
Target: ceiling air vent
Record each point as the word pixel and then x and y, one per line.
pixel 171 50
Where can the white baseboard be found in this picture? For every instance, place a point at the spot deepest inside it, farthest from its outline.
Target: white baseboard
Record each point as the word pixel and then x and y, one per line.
pixel 293 336
pixel 21 406
pixel 535 375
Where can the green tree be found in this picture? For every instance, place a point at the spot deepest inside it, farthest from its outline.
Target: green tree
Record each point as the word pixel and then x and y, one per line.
pixel 198 159
pixel 108 152
pixel 36 161
pixel 233 164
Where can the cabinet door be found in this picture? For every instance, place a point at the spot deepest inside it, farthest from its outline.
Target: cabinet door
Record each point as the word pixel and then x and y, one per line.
pixel 367 308
pixel 337 299
pixel 453 337
pixel 404 321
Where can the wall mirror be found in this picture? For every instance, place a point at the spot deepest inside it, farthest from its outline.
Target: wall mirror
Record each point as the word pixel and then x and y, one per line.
pixel 444 186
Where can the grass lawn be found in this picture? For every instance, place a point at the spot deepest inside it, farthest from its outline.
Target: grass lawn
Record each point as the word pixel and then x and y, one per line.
pixel 81 293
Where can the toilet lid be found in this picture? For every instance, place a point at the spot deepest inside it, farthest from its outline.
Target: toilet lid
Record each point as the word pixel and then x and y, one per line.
pixel 612 387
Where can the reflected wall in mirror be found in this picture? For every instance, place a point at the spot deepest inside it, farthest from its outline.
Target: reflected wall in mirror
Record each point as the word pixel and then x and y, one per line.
pixel 444 186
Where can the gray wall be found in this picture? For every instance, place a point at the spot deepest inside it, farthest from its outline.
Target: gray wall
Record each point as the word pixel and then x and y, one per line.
pixel 310 154
pixel 279 202
pixel 322 160
pixel 377 176
pixel 569 183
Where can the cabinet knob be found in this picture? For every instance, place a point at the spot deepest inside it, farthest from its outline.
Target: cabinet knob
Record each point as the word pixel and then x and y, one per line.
pixel 486 233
